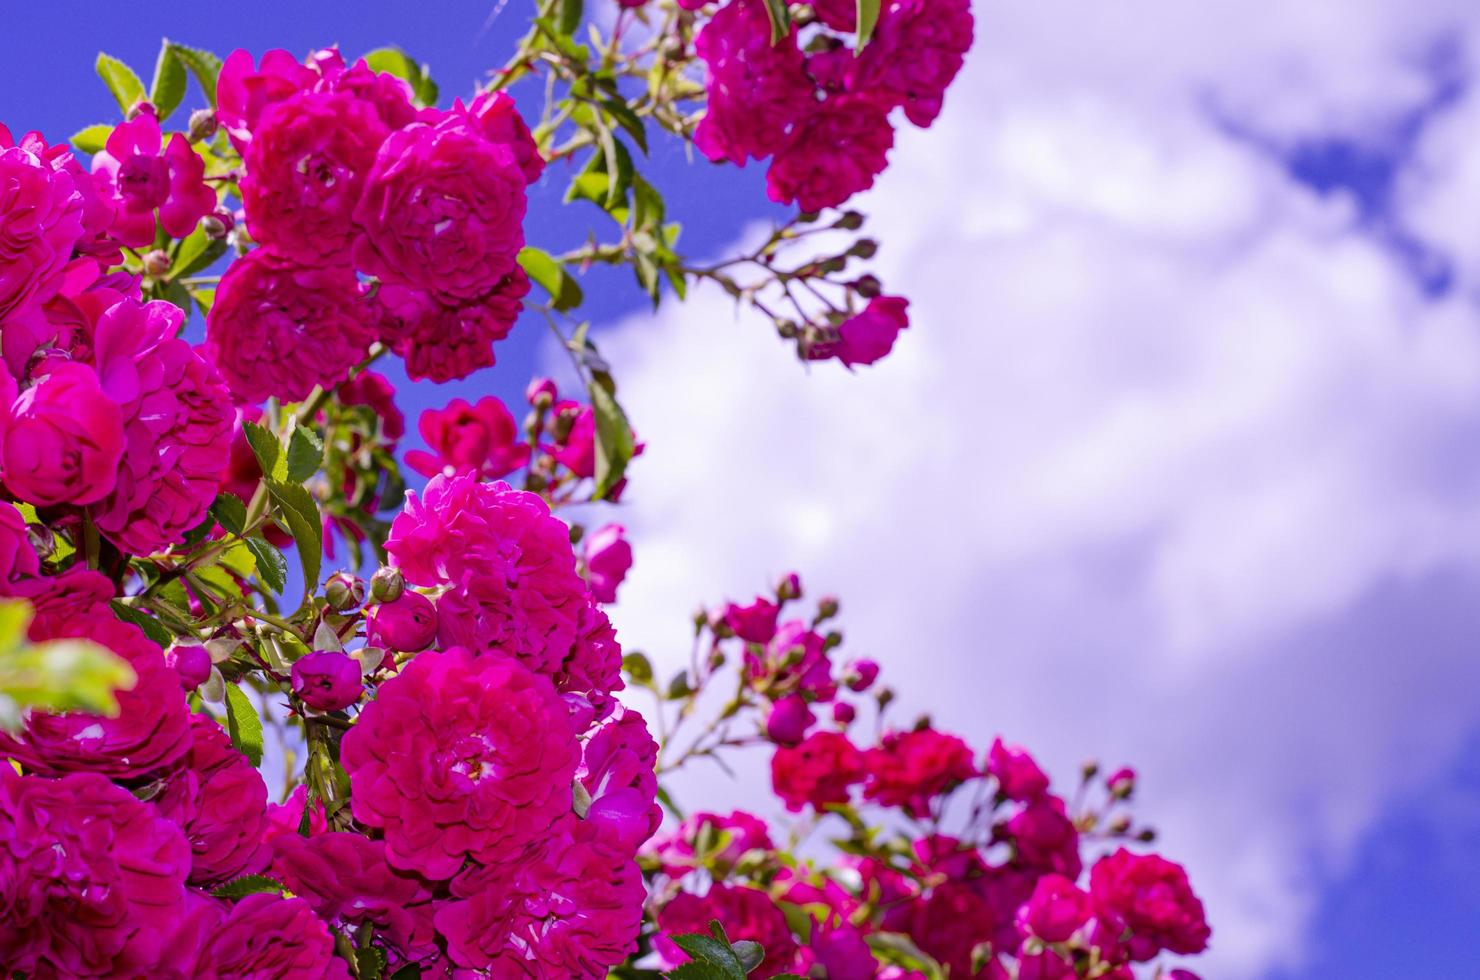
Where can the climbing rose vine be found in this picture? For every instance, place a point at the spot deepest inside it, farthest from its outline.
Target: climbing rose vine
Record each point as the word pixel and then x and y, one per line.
pixel 265 712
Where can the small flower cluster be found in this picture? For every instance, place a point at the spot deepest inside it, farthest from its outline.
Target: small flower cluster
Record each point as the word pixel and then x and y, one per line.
pixel 343 172
pixel 950 861
pixel 807 101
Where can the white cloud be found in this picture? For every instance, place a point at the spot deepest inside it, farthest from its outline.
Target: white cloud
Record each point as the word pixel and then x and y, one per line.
pixel 1174 464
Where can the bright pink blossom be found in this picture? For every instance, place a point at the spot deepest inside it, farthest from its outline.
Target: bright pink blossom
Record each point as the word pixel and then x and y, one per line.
pixel 608 559
pixel 374 390
pixel 835 151
pixel 592 672
pixel 92 881
pixel 617 764
pixel 755 623
pixel 278 328
pixel 910 769
pixel 747 913
pixel 191 661
pixel 496 117
pixel 446 343
pixel 261 936
pixel 463 438
pixel 144 176
pixel 950 922
pixel 869 336
pixel 1044 838
pixel 1056 909
pixel 788 720
pixel 755 90
pixel 1154 899
pixel 739 831
pixel 327 680
pixel 244 91
pixel 219 801
pixel 18 558
pixel 41 220
pixel 408 623
pixel 818 771
pixel 861 675
pixel 305 169
pixel 917 49
pixel 459 757
pixel 1018 776
pixel 64 439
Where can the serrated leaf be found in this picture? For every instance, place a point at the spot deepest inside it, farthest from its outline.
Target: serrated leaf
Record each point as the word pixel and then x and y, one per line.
pixel 204 65
pixel 230 512
pixel 868 19
pixel 243 724
pixel 305 455
pixel 121 80
pixel 267 449
pixel 272 567
pixel 370 962
pixel 614 443
pixel 565 292
pixel 249 885
pixel 168 88
pixel 196 252
pixel 92 139
pixel 301 515
pixel 152 627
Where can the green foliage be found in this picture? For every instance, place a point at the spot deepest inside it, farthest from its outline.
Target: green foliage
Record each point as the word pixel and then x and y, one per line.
pixel 396 62
pixel 565 292
pixel 300 513
pixel 614 442
pixel 168 89
pixel 92 139
pixel 121 80
pixel 714 957
pixel 868 19
pixel 250 885
pixel 205 66
pixel 305 454
pixel 243 724
pixel 58 675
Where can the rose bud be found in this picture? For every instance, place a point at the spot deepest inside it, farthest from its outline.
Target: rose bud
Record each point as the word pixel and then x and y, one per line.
pixel 387 584
pixel 407 624
pixel 789 720
pixel 327 680
pixel 344 591
pixel 202 125
pixel 861 675
pixel 1122 783
pixel 541 392
pixel 789 588
pixel 843 713
pixel 191 662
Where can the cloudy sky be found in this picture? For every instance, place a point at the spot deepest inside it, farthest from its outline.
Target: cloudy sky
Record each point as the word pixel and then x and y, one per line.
pixel 1175 466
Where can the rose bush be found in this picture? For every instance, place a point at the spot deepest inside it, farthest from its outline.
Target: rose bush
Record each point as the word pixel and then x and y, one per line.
pixel 423 764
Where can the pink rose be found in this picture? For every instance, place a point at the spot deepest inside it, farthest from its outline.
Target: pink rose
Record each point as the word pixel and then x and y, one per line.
pixel 327 680
pixel 755 623
pixel 64 439
pixel 191 662
pixel 444 342
pixel 220 803
pixel 818 771
pixel 407 624
pixel 372 389
pixel 608 559
pixel 869 336
pixel 747 913
pixel 144 177
pixel 41 220
pixel 910 769
pixel 244 91
pixel 1045 838
pixel 834 152
pixel 1056 909
pixel 1154 899
pixel 788 720
pixel 463 438
pixel 18 558
pixel 1018 776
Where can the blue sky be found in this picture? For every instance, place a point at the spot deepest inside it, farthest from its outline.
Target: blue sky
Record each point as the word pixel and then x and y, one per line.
pixel 1190 373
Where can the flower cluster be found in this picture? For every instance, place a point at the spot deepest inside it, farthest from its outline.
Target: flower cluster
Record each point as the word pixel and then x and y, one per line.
pixel 818 111
pixel 949 861
pixel 342 172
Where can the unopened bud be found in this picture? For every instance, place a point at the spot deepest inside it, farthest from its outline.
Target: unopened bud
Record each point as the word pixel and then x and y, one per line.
pixel 577 531
pixel 789 588
pixel 535 481
pixel 850 221
pixel 827 608
pixel 1120 824
pixel 202 125
pixel 807 217
pixel 214 228
pixel 864 248
pixel 387 584
pixel 885 697
pixel 42 540
pixel 344 591
pixel 157 263
pixel 787 329
pixel 1122 783
pixel 832 640
pixel 868 286
pixel 541 392
pixel 835 264
pixel 716 658
pixel 1146 836
pixel 562 424
pixel 1089 768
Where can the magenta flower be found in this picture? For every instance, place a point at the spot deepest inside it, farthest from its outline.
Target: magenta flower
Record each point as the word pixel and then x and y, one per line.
pixel 789 719
pixel 755 623
pixel 374 390
pixel 861 675
pixel 1018 776
pixel 496 117
pixel 1044 838
pixel 842 950
pixel 305 169
pixel 278 328
pixel 260 936
pixel 177 420
pixel 569 907
pixel 818 771
pixel 463 438
pixel 144 176
pixel 460 757
pixel 244 91
pixel 592 671
pixel 1154 899
pixel 41 220
pixel 949 922
pixel 577 451
pixel 742 832
pixel 514 586
pixel 1055 911
pixel 64 439
pixel 92 881
pixel 447 343
pixel 755 90
pixel 910 769
pixel 408 624
pixel 152 729
pixel 869 336
pixel 835 151
pixel 616 770
pixel 795 659
pixel 191 662
pixel 442 211
pixel 18 558
pixel 608 559
pixel 917 50
pixel 391 96
pixel 327 680
pixel 219 801
pixel 747 913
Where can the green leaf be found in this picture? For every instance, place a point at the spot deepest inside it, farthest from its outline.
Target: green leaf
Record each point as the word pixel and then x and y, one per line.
pixel 272 567
pixel 302 517
pixel 305 455
pixel 249 885
pixel 614 443
pixel 121 81
pixel 565 292
pixel 570 16
pixel 394 61
pixel 410 971
pixel 370 963
pixel 230 512
pixel 243 724
pixel 628 120
pixel 92 139
pixel 780 20
pixel 638 667
pixel 196 252
pixel 58 675
pixel 204 65
pixel 152 627
pixel 868 18
pixel 168 89
pixel 267 449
